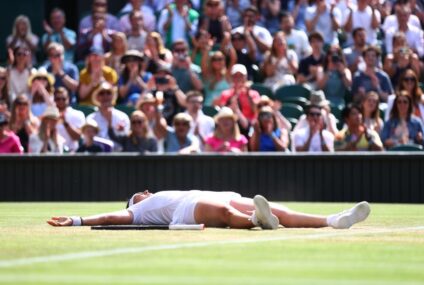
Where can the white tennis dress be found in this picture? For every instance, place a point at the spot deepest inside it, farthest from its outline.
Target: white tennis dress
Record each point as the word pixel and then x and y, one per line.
pixel 174 207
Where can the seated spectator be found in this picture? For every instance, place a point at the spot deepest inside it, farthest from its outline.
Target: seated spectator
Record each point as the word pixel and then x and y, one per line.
pixel 5 95
pixel 111 22
pixel 97 37
pixel 19 71
pixel 47 140
pixel 408 81
pixel 165 89
pixel 70 120
pixel 314 137
pixel 276 105
pixel 22 122
pixel 227 136
pixel 118 47
pixel 336 79
pixel 262 38
pixel 156 51
pixel 132 82
pixel 65 73
pixel 202 125
pixel 23 37
pixel 138 139
pixel 148 104
pixel 136 34
pixel 311 67
pixel 178 14
pixel 365 15
pixel 9 142
pixel 356 136
pixel 214 20
pixel 280 64
pixel 267 136
pixel 353 53
pixel 317 98
pixel 178 138
pixel 240 98
pixel 41 91
pixel 141 8
pixel 414 35
pixel 245 49
pixel 89 131
pixel 403 127
pixel 372 78
pixel 325 19
pixel 391 21
pixel 185 72
pixel 56 32
pixel 105 97
pixel 93 75
pixel 371 112
pixel 401 59
pixel 215 75
pixel 297 40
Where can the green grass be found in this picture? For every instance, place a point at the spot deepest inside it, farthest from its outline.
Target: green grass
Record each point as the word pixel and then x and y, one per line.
pixel 360 255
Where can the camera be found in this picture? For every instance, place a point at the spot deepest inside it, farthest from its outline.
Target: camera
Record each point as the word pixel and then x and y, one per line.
pixel 161 80
pixel 335 58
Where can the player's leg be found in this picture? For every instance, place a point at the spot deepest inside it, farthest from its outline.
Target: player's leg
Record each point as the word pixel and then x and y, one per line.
pixel 218 214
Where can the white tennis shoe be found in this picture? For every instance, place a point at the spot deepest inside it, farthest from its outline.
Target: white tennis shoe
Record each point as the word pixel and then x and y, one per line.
pixel 346 219
pixel 263 216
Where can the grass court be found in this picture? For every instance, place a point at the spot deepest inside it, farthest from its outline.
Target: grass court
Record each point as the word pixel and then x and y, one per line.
pixel 388 248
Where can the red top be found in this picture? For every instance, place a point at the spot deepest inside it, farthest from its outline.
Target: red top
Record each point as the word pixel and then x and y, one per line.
pixel 244 101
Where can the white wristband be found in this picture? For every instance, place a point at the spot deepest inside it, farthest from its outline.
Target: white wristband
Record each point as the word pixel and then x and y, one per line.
pixel 76 221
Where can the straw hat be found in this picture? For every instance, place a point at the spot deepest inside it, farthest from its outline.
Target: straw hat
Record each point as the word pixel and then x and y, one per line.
pixel 41 73
pixel 147 98
pixel 104 86
pixel 91 123
pixel 225 112
pixel 182 117
pixel 132 54
pixel 51 112
pixel 318 98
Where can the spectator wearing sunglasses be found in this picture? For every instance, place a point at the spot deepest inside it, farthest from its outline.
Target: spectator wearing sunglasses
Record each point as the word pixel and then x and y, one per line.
pixel 314 137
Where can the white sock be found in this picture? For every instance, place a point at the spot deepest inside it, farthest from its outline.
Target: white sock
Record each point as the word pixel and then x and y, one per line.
pixel 331 219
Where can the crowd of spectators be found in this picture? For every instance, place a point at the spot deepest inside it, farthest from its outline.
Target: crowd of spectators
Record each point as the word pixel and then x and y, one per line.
pixel 203 76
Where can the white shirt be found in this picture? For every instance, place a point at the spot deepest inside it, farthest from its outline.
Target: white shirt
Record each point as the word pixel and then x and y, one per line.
pixel 414 38
pixel 299 138
pixel 149 19
pixel 205 124
pixel 119 120
pixel 35 144
pixel 298 41
pixel 324 24
pixel 392 22
pixel 18 82
pixel 74 118
pixel 363 19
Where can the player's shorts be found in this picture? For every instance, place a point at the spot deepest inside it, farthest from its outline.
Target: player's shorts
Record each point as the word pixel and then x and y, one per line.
pixel 184 213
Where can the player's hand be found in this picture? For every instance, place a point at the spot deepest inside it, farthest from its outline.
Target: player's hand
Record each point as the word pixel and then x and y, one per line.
pixel 60 222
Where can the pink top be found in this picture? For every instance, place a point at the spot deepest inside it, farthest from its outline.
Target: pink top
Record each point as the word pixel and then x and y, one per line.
pixel 11 144
pixel 216 144
pixel 244 101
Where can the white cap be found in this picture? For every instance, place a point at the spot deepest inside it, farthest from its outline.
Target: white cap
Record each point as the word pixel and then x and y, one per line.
pixel 239 68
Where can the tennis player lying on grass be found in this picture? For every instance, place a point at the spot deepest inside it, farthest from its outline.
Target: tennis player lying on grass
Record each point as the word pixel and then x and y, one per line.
pixel 213 209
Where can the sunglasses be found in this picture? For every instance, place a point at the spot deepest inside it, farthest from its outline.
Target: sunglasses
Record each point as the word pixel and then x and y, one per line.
pixel 403 102
pixel 105 93
pixel 137 122
pixel 60 99
pixel 217 58
pixel 409 79
pixel 213 4
pixel 22 53
pixel 314 114
pixel 55 55
pixel 178 124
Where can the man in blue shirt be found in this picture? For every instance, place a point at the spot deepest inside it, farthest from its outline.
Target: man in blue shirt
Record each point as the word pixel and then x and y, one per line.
pixel 178 138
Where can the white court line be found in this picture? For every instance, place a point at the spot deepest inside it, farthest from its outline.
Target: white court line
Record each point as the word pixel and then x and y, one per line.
pixel 130 250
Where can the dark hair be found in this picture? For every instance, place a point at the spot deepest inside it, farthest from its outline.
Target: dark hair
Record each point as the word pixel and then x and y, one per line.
pixel 371 48
pixel 61 90
pixel 284 14
pixel 338 53
pixel 417 92
pixel 251 8
pixel 265 113
pixel 394 113
pixel 315 35
pixel 357 30
pixel 376 113
pixel 348 109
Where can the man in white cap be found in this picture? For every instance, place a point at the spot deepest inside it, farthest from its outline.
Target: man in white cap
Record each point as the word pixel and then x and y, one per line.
pixel 213 209
pixel 240 98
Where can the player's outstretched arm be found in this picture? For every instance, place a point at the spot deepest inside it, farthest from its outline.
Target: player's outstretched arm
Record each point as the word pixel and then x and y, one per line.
pixel 122 217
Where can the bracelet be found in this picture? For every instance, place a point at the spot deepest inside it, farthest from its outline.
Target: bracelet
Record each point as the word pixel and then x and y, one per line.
pixel 76 221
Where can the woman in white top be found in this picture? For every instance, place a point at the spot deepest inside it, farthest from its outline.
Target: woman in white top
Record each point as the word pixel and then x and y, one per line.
pixel 213 209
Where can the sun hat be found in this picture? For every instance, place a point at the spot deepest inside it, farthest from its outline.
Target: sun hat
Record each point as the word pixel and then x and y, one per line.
pixel 147 98
pixel 225 112
pixel 239 68
pixel 41 73
pixel 132 54
pixel 318 98
pixel 104 86
pixel 51 112
pixel 90 123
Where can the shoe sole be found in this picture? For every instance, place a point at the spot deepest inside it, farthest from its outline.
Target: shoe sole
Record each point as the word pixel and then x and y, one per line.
pixel 264 215
pixel 356 215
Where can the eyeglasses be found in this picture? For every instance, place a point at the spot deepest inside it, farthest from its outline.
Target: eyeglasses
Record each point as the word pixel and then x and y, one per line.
pixel 217 58
pixel 137 122
pixel 314 114
pixel 406 102
pixel 105 93
pixel 179 124
pixel 22 53
pixel 55 55
pixel 409 79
